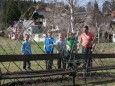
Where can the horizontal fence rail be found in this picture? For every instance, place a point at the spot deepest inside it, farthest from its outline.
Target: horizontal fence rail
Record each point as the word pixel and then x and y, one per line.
pixel 102 56
pixel 5 58
pixel 34 73
pixel 43 73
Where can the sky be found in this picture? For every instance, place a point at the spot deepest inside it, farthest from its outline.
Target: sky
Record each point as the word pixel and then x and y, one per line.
pixel 84 2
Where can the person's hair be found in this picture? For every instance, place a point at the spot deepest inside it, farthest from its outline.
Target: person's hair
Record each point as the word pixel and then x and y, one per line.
pixel 27 35
pixel 60 33
pixel 86 27
pixel 49 31
pixel 71 33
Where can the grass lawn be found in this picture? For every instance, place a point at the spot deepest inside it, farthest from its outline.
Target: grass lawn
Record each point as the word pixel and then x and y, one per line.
pixel 8 47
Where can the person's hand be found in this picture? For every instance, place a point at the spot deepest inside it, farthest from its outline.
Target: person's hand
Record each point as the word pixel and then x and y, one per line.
pixel 51 45
pixel 77 33
pixel 78 45
pixel 93 47
pixel 77 48
pixel 68 47
pixel 44 49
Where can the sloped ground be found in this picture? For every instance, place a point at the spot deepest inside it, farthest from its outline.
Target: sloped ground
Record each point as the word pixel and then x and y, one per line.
pixel 95 79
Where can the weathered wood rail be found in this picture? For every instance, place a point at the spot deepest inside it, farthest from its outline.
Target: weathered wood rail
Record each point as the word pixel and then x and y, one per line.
pixel 6 58
pixel 44 73
pixel 33 74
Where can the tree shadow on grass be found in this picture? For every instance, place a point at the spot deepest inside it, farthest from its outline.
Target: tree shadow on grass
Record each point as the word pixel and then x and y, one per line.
pixel 75 85
pixel 103 82
pixel 96 83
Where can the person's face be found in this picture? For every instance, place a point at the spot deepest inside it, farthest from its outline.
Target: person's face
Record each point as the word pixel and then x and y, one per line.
pixel 27 37
pixel 60 36
pixel 85 30
pixel 49 34
pixel 71 35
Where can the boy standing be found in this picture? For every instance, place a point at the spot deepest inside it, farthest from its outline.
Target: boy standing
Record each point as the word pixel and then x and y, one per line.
pixel 71 49
pixel 71 43
pixel 26 50
pixel 49 49
pixel 61 48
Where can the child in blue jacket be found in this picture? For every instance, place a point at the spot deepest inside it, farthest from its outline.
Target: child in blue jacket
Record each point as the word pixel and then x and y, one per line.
pixel 49 40
pixel 26 50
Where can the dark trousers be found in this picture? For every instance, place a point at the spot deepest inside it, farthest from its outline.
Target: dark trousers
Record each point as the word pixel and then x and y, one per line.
pixel 70 61
pixel 26 63
pixel 61 63
pixel 88 61
pixel 49 63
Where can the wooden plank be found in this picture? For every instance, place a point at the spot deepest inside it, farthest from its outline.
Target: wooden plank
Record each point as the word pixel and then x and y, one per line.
pixel 6 58
pixel 0 76
pixel 102 68
pixel 33 71
pixel 101 56
pixel 36 75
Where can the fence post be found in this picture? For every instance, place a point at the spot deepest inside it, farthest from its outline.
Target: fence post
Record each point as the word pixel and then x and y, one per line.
pixel 0 76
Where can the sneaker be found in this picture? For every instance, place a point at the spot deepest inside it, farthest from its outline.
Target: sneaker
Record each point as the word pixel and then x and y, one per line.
pixel 93 72
pixel 24 69
pixel 29 69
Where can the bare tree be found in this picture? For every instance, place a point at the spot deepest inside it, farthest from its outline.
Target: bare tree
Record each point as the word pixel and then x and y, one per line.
pixel 71 4
pixel 64 14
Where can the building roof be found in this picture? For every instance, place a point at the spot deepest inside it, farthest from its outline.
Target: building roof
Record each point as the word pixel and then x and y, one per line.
pixel 27 23
pixel 113 13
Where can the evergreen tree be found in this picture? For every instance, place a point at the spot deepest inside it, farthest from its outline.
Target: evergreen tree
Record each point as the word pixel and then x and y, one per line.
pixel 81 9
pixel 96 15
pixel 89 7
pixel 113 4
pixel 106 7
pixel 13 13
pixel 27 8
pixel 22 6
pixel 35 2
pixel 2 13
pixel 29 13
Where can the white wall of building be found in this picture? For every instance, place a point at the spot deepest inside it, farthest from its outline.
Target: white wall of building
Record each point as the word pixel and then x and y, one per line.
pixel 113 39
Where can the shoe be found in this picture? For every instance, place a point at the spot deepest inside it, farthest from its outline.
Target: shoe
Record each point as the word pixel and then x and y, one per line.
pixel 24 69
pixel 93 72
pixel 29 69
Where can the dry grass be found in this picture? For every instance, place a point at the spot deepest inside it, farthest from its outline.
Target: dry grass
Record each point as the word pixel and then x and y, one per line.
pixel 8 46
